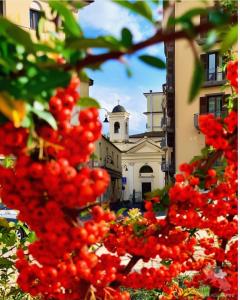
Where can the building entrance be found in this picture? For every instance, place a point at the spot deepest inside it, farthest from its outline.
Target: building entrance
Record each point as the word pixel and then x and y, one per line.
pixel 146 188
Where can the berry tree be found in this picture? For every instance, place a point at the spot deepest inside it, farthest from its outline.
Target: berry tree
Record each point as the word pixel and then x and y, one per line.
pixel 51 183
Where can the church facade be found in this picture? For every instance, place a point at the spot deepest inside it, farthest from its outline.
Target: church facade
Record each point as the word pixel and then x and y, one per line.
pixel 141 153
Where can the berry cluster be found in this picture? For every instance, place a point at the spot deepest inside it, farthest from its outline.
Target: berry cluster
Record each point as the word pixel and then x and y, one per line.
pixel 232 74
pixel 50 192
pixel 52 189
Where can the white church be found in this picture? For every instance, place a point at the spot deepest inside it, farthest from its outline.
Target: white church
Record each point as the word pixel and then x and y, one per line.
pixel 141 153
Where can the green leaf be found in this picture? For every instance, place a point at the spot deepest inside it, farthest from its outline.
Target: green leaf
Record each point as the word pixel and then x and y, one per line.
pixel 4 223
pixel 70 23
pixel 46 116
pixel 27 121
pixel 46 80
pixel 16 34
pixel 217 17
pixel 40 27
pixel 107 42
pixel 138 7
pixel 230 39
pixel 5 263
pixel 153 61
pixel 31 237
pixel 211 40
pixel 128 71
pixel 127 38
pixel 121 211
pixel 88 102
pixel 166 262
pixel 191 13
pixel 197 80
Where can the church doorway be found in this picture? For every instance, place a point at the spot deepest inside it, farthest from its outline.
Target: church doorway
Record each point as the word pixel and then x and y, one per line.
pixel 146 188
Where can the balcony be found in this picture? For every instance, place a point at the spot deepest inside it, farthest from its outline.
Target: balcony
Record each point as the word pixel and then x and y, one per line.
pixel 214 78
pixel 168 88
pixel 163 144
pixel 165 123
pixel 167 167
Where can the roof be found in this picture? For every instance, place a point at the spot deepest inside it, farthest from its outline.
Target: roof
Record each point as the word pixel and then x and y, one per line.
pixel 152 93
pixel 118 108
pixel 148 134
pixel 106 139
pixel 140 143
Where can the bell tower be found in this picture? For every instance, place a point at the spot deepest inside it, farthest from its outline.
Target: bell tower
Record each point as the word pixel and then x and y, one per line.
pixel 118 124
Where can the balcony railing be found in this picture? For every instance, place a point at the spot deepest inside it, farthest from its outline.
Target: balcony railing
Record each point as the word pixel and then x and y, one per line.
pixel 196 117
pixel 165 123
pixel 167 167
pixel 163 143
pixel 214 78
pixel 168 88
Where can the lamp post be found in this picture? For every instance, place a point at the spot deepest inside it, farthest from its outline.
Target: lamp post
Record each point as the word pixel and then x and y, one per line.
pixel 106 115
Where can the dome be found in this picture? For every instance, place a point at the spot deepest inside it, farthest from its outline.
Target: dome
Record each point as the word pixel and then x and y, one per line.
pixel 118 108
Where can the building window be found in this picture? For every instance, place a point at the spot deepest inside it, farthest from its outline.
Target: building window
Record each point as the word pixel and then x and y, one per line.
pixel 126 128
pixel 35 13
pixel 213 66
pixel 34 18
pixel 213 104
pixel 146 169
pixel 1 8
pixel 116 127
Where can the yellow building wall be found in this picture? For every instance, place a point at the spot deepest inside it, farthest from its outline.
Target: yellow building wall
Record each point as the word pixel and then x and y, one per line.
pixel 188 140
pixel 84 89
pixel 18 12
pixel 109 157
pixel 105 148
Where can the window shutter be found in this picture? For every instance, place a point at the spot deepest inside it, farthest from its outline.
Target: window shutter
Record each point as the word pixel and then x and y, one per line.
pixel 203 58
pixel 170 139
pixel 203 105
pixel 203 20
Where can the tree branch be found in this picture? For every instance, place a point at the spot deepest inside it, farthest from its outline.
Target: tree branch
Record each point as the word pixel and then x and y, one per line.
pixel 159 37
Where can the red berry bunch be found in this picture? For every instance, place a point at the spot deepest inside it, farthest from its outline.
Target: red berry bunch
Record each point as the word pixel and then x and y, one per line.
pixel 13 140
pixel 232 74
pixel 51 190
pixel 63 102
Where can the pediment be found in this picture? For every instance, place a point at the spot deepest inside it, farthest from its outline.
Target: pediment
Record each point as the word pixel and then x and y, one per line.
pixel 145 147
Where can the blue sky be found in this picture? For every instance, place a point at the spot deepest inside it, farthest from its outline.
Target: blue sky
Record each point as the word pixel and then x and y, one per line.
pixel 112 83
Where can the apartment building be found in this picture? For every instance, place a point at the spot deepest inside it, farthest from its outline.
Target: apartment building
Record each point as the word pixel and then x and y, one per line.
pixel 184 139
pixel 109 157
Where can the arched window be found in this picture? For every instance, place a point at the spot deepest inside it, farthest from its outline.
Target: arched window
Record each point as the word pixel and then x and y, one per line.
pixel 35 13
pixel 126 128
pixel 116 127
pixel 146 169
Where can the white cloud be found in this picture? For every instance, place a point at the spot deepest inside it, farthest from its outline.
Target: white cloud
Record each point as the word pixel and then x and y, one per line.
pixel 108 17
pixel 108 98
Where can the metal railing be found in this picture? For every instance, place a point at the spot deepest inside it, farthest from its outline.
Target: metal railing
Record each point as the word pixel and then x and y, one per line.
pixel 165 123
pixel 214 76
pixel 167 167
pixel 163 143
